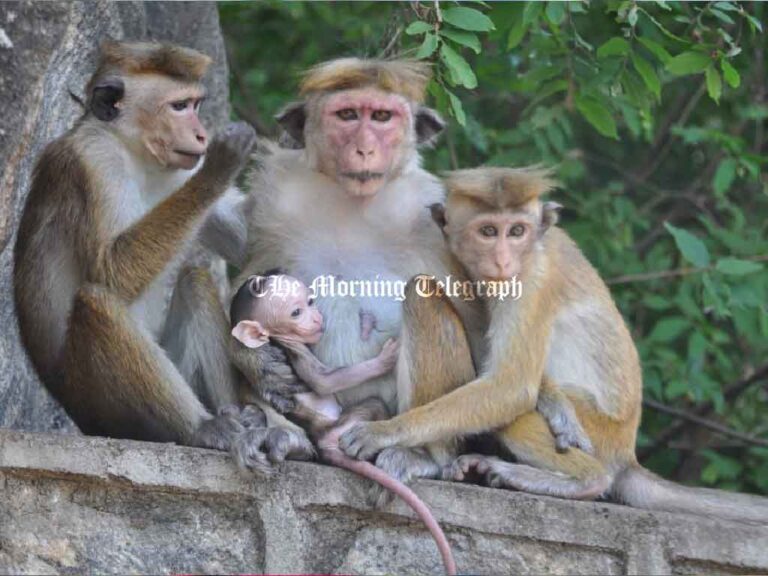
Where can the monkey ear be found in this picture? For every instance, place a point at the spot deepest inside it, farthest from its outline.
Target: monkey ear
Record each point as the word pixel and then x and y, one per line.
pixel 292 119
pixel 429 125
pixel 438 215
pixel 104 98
pixel 250 333
pixel 550 214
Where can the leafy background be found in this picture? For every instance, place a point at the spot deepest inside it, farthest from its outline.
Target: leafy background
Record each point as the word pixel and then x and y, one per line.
pixel 654 116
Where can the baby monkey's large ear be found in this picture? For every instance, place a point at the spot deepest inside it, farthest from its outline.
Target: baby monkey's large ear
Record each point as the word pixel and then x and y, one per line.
pixel 251 333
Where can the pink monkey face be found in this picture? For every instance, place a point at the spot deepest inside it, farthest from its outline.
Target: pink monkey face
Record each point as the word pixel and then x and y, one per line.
pixel 289 311
pixel 364 133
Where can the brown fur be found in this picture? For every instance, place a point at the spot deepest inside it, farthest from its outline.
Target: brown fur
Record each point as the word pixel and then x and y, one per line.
pixel 406 77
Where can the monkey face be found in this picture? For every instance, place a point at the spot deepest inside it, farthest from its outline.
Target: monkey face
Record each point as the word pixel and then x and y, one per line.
pixel 494 246
pixel 364 134
pixel 167 116
pixel 287 310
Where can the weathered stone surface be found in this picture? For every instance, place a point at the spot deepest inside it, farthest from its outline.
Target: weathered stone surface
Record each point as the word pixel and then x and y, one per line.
pixel 71 504
pixel 47 50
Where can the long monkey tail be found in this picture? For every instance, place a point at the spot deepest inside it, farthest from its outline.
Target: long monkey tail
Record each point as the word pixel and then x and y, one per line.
pixel 368 470
pixel 640 488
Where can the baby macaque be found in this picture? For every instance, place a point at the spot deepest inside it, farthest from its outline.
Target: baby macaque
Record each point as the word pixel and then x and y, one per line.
pixel 279 308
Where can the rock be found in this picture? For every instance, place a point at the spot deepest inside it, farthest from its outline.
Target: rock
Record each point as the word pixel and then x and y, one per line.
pixel 47 50
pixel 73 504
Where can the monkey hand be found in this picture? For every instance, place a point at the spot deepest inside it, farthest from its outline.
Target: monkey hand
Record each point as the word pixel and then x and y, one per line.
pixel 364 440
pixel 219 432
pixel 258 448
pixel 571 435
pixel 228 153
pixel 277 382
pixel 387 358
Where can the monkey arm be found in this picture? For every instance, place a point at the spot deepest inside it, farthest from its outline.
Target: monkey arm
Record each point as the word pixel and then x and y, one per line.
pixel 132 260
pixel 324 381
pixel 268 374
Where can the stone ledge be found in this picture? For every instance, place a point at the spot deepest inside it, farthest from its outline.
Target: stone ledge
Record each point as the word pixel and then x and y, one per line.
pixel 73 504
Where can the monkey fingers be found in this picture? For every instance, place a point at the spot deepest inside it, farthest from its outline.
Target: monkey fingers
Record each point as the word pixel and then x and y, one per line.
pixel 228 152
pixel 464 465
pixel 364 440
pixel 220 431
pixel 253 417
pixel 247 451
pixel 282 443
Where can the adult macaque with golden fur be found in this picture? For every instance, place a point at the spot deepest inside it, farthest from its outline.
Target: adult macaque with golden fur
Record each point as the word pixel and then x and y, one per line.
pixel 114 206
pixel 566 329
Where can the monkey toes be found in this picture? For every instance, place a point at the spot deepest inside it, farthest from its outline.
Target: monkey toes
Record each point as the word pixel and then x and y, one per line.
pixel 220 431
pixel 257 448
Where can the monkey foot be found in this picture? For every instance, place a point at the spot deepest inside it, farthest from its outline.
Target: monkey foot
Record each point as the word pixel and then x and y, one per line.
pixel 258 448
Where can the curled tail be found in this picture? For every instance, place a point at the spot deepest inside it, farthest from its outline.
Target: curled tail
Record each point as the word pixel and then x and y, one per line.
pixel 640 488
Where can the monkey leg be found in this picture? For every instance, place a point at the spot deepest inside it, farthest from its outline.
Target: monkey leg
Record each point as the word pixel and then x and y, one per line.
pixel 541 468
pixel 196 337
pixel 435 359
pixel 119 382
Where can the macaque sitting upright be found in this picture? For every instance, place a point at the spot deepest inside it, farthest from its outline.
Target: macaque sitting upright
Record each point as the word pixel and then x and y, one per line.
pixel 280 307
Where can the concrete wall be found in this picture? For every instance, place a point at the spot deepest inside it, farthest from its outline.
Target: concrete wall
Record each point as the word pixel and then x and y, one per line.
pixel 71 504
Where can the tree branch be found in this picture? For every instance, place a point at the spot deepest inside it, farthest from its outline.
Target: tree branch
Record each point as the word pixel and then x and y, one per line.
pixel 661 274
pixel 705 423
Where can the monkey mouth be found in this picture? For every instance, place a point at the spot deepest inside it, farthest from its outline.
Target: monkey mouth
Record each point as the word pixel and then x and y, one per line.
pixel 363 176
pixel 195 155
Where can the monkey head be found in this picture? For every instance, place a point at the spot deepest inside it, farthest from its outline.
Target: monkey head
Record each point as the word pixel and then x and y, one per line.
pixel 362 120
pixel 149 95
pixel 493 219
pixel 275 306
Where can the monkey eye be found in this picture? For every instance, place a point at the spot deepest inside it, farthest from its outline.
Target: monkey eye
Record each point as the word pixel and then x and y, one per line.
pixel 180 105
pixel 488 231
pixel 347 114
pixel 517 230
pixel 296 313
pixel 381 115
pixel 311 302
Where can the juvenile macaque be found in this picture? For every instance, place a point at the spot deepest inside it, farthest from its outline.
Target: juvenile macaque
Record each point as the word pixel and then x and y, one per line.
pixel 565 329
pixel 281 308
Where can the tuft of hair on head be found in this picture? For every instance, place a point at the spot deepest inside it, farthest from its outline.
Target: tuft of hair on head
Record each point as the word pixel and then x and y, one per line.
pixel 178 62
pixel 403 76
pixel 498 188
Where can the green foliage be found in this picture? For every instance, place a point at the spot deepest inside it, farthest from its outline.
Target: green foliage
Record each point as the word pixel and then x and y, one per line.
pixel 653 115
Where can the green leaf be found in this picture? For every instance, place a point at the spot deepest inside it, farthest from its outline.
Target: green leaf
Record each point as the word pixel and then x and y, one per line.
pixel 688 63
pixel 555 12
pixel 753 22
pixel 714 83
pixel 457 108
pixel 648 74
pixel 656 49
pixel 724 176
pixel 730 74
pixel 532 11
pixel 418 27
pixel 690 246
pixel 517 34
pixel 632 16
pixel 427 47
pixel 468 39
pixel 468 19
pixel 614 47
pixel 726 6
pixel 597 115
pixel 459 67
pixel 736 267
pixel 667 329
